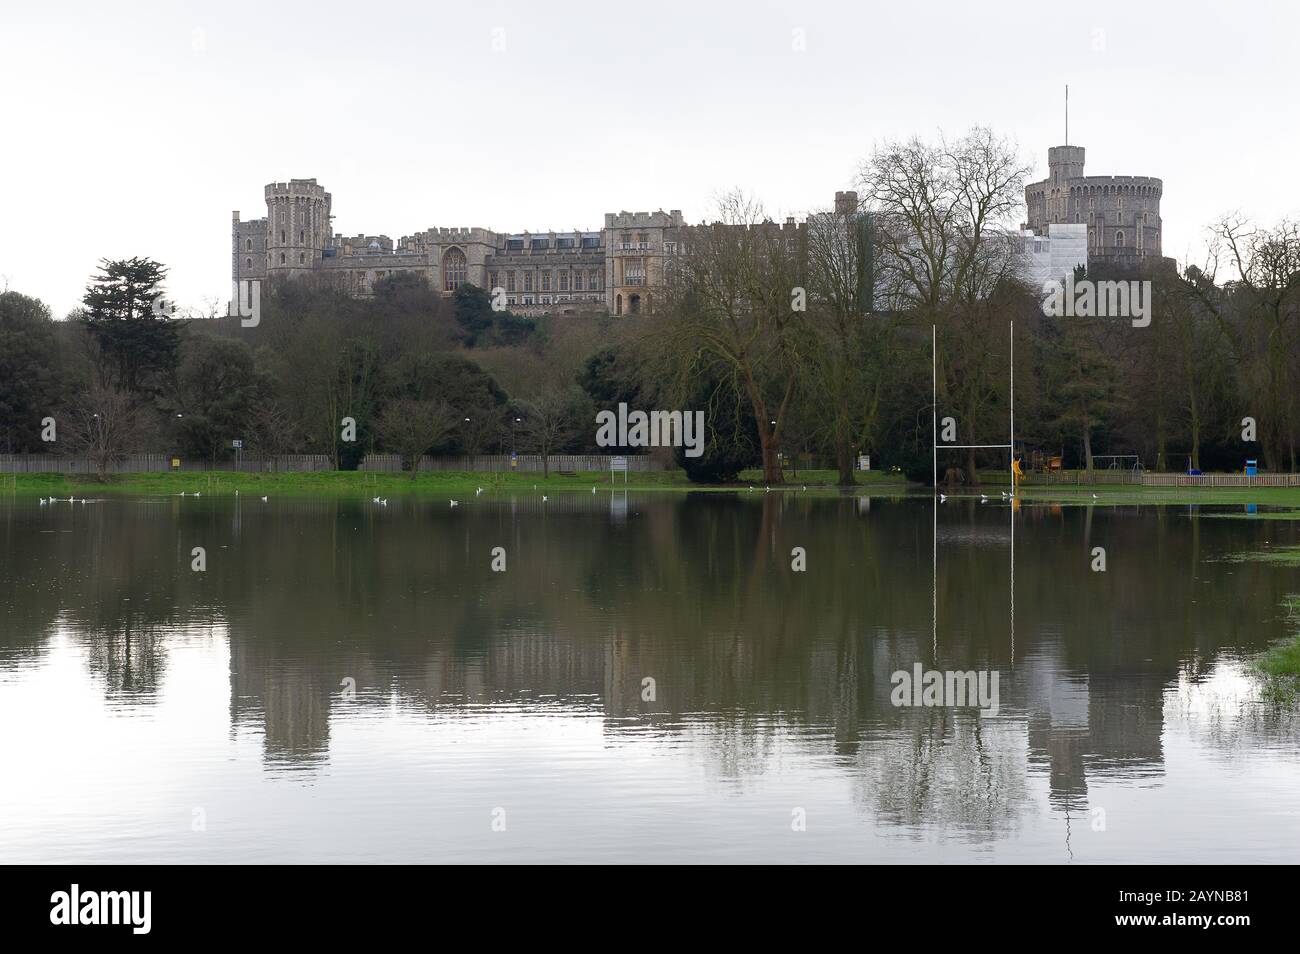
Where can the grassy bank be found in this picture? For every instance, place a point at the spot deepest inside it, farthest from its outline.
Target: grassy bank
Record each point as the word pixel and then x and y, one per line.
pixel 1281 664
pixel 1129 494
pixel 431 483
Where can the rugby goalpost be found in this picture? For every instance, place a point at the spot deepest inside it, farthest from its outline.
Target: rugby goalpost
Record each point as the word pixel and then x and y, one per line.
pixel 934 464
pixel 934 412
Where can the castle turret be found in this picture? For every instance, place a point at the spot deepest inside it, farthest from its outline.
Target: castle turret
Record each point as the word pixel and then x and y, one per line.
pixel 297 225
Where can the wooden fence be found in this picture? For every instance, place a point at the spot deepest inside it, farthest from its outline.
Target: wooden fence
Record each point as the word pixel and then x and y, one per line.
pixel 1220 480
pixel 300 463
pixel 161 463
pixel 500 463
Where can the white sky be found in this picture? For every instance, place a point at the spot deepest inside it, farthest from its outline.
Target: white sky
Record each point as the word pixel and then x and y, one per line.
pixel 138 131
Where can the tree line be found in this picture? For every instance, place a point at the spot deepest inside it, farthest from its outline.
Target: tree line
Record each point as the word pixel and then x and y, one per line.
pixel 809 343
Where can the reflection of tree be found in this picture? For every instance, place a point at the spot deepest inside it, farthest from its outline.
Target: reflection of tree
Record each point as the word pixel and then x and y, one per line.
pixel 127 652
pixel 694 591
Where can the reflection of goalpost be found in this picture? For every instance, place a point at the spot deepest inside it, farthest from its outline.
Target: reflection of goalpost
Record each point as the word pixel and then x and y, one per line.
pixel 934 412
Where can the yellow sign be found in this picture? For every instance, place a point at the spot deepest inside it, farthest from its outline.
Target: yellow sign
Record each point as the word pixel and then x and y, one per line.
pixel 176 463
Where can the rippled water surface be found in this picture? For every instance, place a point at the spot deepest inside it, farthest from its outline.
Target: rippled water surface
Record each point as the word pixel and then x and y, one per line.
pixel 152 712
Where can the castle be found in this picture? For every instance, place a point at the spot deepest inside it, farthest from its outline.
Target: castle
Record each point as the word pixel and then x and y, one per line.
pixel 613 268
pixel 1073 220
pixel 1121 213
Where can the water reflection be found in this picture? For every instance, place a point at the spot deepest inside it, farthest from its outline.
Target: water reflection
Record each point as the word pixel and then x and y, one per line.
pixel 771 688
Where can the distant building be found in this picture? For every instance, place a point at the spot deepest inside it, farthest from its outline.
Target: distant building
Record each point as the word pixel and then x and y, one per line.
pixel 611 268
pixel 1120 213
pixel 1053 256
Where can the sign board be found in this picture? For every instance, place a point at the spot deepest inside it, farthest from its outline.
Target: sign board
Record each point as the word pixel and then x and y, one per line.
pixel 176 463
pixel 237 444
pixel 617 464
pixel 864 462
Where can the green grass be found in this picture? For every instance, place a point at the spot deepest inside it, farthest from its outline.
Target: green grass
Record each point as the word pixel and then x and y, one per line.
pixel 356 483
pixel 429 483
pixel 1119 494
pixel 1280 666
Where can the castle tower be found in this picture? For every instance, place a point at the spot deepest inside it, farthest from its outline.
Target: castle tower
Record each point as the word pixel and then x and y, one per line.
pixel 297 226
pixel 1122 213
pixel 1064 163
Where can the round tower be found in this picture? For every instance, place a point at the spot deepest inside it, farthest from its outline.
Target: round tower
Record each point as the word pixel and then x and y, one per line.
pixel 1063 164
pixel 297 225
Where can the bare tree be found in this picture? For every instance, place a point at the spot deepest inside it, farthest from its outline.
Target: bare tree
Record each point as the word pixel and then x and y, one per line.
pixel 548 422
pixel 732 294
pixel 413 428
pixel 946 215
pixel 104 425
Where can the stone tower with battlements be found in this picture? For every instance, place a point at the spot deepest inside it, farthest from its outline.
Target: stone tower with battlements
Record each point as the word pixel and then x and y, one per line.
pixel 1122 213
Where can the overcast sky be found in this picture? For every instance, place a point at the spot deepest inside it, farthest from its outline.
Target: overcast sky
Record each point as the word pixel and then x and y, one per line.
pixel 136 129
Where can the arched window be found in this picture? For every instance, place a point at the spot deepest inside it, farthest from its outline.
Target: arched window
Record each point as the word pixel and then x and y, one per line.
pixel 634 304
pixel 618 304
pixel 302 258
pixel 248 245
pixel 454 269
pixel 1119 239
pixel 282 258
pixel 248 263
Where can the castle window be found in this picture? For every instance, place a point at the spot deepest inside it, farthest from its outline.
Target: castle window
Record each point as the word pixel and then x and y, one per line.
pixel 528 281
pixel 577 281
pixel 248 263
pixel 302 236
pixel 281 236
pixel 546 281
pixel 510 281
pixel 455 270
pixel 282 259
pixel 302 258
pixel 564 281
pixel 618 304
pixel 1119 239
pixel 593 280
pixel 492 280
pixel 248 245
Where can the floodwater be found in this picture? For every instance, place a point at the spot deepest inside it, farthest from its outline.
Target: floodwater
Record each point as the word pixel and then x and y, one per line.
pixel 647 680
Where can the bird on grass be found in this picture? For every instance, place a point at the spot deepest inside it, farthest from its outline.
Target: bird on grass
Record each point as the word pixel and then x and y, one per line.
pixel 374 500
pixel 455 503
pixel 383 502
pixel 942 498
pixel 545 498
pixel 477 492
pixel 265 499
